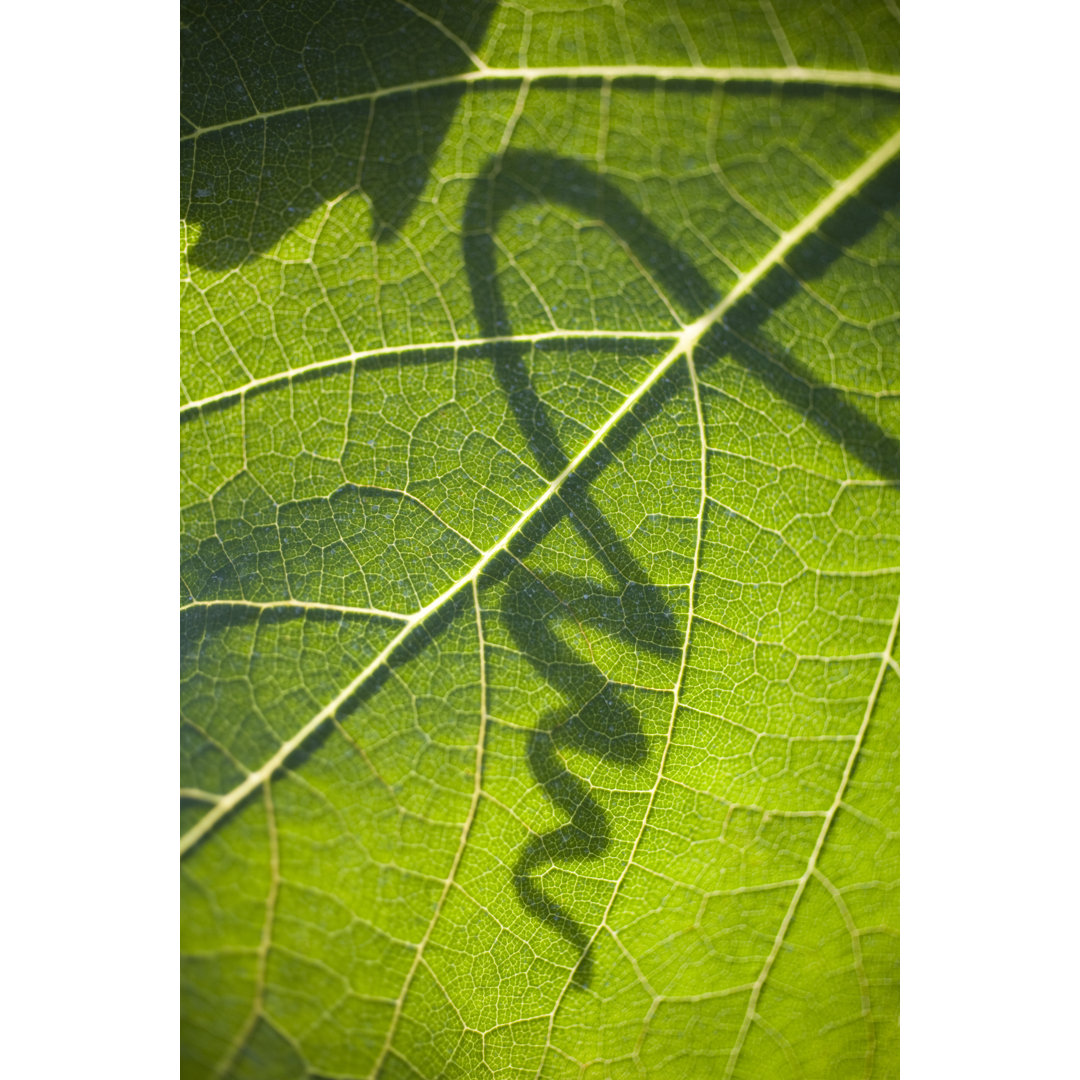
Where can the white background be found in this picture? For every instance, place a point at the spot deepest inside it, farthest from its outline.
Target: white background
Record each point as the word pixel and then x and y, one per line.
pixel 88 521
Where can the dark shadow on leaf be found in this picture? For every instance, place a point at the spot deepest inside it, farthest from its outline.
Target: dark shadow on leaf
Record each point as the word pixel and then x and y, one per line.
pixel 596 719
pixel 248 183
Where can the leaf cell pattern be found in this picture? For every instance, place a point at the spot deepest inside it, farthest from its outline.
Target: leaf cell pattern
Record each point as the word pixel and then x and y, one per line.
pixel 539 590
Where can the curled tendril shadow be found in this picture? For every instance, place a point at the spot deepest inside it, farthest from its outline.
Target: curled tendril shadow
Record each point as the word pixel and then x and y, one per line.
pixel 597 719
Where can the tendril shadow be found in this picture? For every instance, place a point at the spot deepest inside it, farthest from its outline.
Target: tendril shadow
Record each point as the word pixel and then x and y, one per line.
pixel 596 719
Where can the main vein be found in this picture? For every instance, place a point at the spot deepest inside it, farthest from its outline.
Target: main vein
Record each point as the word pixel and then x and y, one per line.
pixel 877 80
pixel 685 342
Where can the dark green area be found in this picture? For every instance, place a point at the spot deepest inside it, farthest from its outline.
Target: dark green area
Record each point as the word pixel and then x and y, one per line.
pixel 251 182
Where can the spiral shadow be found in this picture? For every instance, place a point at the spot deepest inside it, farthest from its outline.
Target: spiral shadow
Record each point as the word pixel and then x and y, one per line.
pixel 597 719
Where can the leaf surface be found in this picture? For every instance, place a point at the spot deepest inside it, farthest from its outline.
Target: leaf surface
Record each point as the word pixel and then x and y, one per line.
pixel 539 584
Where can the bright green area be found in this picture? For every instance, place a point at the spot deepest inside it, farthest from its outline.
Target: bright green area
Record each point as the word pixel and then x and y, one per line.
pixel 614 792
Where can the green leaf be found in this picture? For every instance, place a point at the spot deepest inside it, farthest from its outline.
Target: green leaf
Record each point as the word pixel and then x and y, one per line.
pixel 539 576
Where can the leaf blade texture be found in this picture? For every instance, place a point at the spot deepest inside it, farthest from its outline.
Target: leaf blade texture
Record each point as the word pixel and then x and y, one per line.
pixel 539 584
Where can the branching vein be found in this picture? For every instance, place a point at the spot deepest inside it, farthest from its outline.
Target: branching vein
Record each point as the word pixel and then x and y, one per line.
pixel 878 80
pixel 684 344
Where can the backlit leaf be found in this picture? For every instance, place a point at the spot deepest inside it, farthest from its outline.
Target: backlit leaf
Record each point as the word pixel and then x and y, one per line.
pixel 539 584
